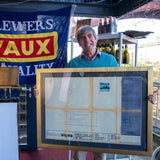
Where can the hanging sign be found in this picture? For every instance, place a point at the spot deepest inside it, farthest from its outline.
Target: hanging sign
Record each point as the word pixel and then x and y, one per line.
pixel 34 40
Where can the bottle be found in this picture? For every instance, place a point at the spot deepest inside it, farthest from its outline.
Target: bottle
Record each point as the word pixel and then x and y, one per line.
pixel 100 26
pixel 112 51
pixel 110 25
pixel 114 25
pixel 109 49
pixel 98 46
pixel 126 55
pixel 104 27
pixel 105 48
pixel 123 49
pixel 101 49
pixel 117 54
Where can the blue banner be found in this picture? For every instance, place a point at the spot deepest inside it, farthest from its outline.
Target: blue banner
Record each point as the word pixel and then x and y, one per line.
pixel 34 40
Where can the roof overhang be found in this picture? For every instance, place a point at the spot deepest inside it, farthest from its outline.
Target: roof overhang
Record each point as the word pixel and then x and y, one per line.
pixel 96 8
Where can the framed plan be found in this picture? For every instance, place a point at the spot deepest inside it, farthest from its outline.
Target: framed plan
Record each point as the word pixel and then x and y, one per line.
pixel 95 109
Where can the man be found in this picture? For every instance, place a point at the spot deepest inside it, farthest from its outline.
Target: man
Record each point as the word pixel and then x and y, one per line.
pixel 90 57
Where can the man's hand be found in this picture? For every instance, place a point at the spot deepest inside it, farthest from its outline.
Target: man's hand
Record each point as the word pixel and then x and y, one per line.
pixel 36 91
pixel 152 97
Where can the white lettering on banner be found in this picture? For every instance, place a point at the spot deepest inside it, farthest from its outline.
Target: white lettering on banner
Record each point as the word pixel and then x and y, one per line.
pixel 28 71
pixel 6 25
pixel 17 27
pixel 39 24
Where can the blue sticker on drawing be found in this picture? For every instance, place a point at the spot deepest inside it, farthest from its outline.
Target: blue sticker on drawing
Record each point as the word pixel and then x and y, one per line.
pixel 104 87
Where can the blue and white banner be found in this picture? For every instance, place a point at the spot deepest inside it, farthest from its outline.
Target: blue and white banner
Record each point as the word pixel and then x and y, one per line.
pixel 33 40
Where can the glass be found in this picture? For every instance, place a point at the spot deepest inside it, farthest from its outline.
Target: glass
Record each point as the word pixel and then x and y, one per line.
pixel 105 108
pixel 22 116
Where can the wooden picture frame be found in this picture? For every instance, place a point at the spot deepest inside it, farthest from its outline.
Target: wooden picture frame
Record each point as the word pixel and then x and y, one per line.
pixel 95 109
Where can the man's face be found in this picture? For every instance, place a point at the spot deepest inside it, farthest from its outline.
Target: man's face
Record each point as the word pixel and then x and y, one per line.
pixel 88 42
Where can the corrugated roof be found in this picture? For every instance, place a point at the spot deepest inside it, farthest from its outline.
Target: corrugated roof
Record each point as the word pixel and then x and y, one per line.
pixel 149 10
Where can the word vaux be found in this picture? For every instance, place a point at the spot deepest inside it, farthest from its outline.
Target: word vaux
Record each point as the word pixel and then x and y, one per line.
pixel 28 47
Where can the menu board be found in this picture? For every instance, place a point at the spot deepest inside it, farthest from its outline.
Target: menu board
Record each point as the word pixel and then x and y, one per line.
pixel 96 109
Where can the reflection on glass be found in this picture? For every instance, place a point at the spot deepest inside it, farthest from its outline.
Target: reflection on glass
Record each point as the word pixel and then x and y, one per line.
pixel 80 114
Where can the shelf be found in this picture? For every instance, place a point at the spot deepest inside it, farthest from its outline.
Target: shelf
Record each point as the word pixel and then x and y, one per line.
pixel 116 38
pixel 119 38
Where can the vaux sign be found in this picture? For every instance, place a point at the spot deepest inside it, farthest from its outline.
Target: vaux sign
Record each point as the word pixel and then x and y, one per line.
pixel 28 47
